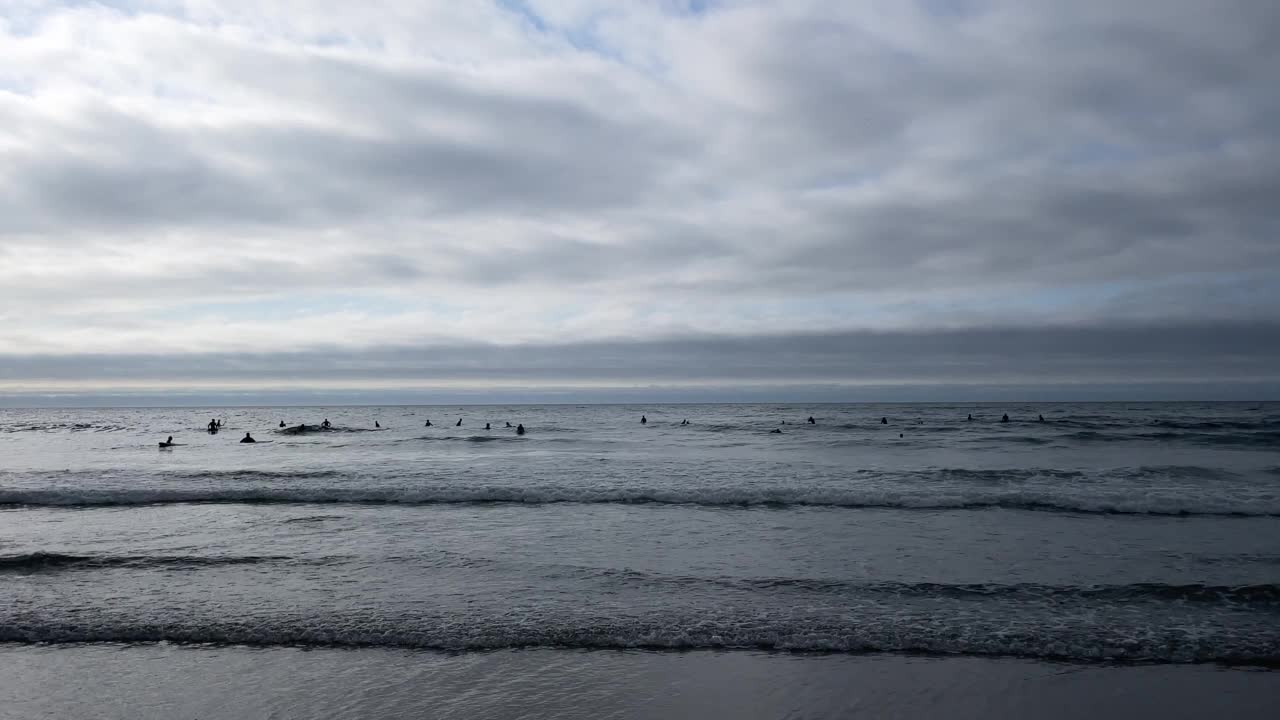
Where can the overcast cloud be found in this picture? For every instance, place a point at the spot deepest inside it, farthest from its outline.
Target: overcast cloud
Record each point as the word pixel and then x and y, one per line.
pixel 538 193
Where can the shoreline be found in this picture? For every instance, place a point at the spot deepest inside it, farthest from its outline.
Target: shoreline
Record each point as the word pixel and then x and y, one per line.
pixel 210 682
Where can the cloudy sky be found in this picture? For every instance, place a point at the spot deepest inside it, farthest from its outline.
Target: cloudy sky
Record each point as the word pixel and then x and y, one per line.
pixel 597 198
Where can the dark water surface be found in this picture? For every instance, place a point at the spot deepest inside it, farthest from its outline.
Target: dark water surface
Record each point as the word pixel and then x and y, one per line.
pixel 1143 534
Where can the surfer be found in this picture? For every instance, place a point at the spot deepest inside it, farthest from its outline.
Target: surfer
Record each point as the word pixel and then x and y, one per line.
pixel 247 438
pixel 519 429
pixel 213 426
pixel 970 418
pixel 428 424
pixel 375 424
pixel 1041 418
pixel 167 443
pixel 812 421
pixel 281 423
pixel 775 431
pixel 884 421
pixel 643 420
pixel 508 424
pixel 486 426
pixel 685 421
pixel 459 424
pixel 1005 418
pixel 325 424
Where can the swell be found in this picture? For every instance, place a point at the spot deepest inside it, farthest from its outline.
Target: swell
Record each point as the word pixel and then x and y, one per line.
pixel 1175 503
pixel 41 561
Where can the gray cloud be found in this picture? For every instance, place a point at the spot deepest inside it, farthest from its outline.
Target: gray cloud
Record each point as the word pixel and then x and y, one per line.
pixel 1008 356
pixel 754 169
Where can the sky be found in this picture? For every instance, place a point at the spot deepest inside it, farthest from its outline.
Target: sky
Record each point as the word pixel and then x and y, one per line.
pixel 584 200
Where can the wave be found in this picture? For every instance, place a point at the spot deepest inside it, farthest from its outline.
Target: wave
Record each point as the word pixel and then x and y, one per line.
pixel 928 475
pixel 1264 424
pixel 61 426
pixel 317 429
pixel 1078 642
pixel 1254 594
pixel 313 519
pixel 38 561
pixel 1260 439
pixel 98 475
pixel 475 438
pixel 1018 439
pixel 220 475
pixel 1014 498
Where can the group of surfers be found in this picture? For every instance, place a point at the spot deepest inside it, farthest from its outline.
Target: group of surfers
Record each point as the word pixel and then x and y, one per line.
pixel 216 425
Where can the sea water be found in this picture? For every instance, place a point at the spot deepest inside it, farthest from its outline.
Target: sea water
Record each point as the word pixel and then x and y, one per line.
pixel 1107 536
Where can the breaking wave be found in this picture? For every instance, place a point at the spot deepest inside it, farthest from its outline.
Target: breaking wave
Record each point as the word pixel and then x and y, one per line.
pixel 1079 642
pixel 38 561
pixel 1265 594
pixel 1077 500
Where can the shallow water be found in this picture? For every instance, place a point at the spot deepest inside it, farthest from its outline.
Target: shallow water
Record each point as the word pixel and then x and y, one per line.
pixel 1110 532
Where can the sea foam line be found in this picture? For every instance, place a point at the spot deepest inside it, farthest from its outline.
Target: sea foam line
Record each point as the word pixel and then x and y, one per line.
pixel 1079 645
pixel 1086 500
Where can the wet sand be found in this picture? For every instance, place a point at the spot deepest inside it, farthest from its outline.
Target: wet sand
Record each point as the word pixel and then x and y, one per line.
pixel 170 681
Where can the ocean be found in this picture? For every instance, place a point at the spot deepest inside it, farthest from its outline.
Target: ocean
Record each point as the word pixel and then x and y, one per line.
pixel 887 560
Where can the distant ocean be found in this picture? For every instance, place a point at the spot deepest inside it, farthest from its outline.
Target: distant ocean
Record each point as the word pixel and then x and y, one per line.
pixel 555 573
